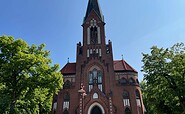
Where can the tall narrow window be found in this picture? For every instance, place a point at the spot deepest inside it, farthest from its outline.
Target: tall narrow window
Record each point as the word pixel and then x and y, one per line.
pixel 126 100
pixel 100 80
pixel 138 101
pixel 127 111
pixel 90 78
pixel 95 72
pixel 93 35
pixel 66 101
pixel 90 81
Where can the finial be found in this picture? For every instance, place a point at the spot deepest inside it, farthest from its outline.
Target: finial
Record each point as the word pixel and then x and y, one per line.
pixel 68 60
pixel 122 57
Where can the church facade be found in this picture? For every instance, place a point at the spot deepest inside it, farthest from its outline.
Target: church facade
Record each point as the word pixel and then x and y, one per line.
pixel 95 83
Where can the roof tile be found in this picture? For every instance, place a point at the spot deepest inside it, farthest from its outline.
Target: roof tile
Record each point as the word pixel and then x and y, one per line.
pixel 119 65
pixel 69 68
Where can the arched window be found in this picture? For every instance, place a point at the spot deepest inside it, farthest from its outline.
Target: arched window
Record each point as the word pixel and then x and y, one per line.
pixel 93 35
pixel 138 101
pixel 95 77
pixel 90 78
pixel 67 84
pixel 127 111
pixel 95 74
pixel 125 95
pixel 131 81
pixel 126 100
pixel 123 81
pixel 66 101
pixel 66 97
pixel 99 77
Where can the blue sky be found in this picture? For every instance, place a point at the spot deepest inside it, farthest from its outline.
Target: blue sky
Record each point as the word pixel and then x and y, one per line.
pixel 132 25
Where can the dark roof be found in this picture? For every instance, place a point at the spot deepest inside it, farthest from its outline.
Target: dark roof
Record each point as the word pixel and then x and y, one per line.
pixel 119 66
pixel 93 5
pixel 69 68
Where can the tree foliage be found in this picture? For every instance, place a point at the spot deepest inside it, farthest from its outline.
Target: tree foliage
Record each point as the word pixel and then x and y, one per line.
pixel 164 80
pixel 27 78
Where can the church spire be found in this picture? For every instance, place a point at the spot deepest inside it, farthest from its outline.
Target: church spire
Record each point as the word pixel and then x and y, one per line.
pixel 93 5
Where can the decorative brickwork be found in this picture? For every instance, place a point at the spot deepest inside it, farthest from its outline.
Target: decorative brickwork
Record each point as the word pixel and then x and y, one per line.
pixel 95 83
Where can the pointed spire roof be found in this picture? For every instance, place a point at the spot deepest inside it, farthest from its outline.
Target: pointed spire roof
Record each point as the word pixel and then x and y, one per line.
pixel 93 5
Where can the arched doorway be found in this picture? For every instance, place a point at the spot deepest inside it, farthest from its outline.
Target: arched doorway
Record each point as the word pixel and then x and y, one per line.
pixel 96 110
pixel 96 107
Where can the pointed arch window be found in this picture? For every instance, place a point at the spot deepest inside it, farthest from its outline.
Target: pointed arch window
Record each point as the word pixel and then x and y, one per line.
pixel 67 84
pixel 123 81
pixel 131 81
pixel 95 77
pixel 138 101
pixel 93 35
pixel 99 77
pixel 66 101
pixel 126 100
pixel 127 111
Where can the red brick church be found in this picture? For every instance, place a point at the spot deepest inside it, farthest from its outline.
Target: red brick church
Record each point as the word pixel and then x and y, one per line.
pixel 95 83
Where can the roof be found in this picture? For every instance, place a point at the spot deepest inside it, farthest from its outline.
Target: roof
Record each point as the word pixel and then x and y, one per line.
pixel 93 5
pixel 69 68
pixel 119 66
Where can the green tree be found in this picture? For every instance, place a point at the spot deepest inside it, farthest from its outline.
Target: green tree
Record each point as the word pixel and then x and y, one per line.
pixel 27 78
pixel 164 80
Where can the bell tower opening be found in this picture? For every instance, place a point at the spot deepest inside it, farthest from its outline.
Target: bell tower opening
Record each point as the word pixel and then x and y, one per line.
pixel 93 35
pixel 96 110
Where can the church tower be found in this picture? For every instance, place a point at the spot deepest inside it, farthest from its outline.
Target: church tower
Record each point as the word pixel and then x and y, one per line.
pixel 95 83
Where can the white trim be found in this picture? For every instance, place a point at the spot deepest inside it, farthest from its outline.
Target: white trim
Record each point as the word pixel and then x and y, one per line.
pixel 138 102
pixel 66 104
pixel 100 52
pixel 96 104
pixel 126 102
pixel 95 96
pixel 87 52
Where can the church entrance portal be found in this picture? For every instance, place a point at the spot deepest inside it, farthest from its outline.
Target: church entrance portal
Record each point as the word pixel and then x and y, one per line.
pixel 96 110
